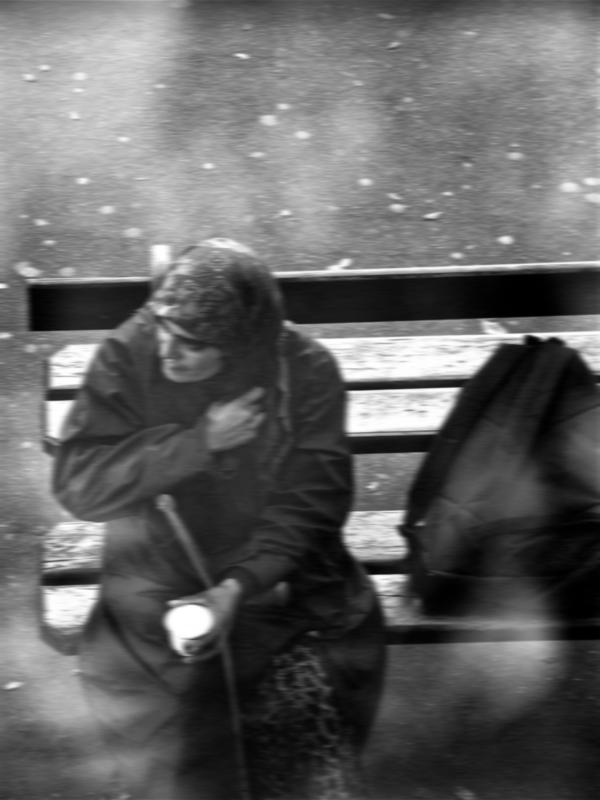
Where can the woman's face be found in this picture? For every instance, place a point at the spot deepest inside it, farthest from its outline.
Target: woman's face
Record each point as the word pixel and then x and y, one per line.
pixel 183 359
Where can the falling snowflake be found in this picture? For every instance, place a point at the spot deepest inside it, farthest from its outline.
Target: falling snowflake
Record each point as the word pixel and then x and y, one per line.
pixel 74 115
pixel 82 181
pixel 491 327
pixel 506 239
pixel 386 16
pixel 569 186
pixel 208 165
pixel 433 215
pixel 66 272
pixel 44 67
pixel 591 181
pixel 397 208
pixel 49 242
pixel 12 685
pixel 242 56
pixel 123 139
pixel 448 194
pixel 592 197
pixel 285 212
pixel 3 285
pixel 283 106
pixel 26 270
pixel 365 182
pixel 106 210
pixel 268 119
pixel 28 76
pixel 515 156
pixel 132 233
pixel 393 45
pixel 457 256
pixel 80 76
pixel 303 135
pixel 40 222
pixel 5 335
pixel 257 154
pixel 341 264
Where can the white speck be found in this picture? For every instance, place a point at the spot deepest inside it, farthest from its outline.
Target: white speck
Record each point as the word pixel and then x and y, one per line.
pixel 74 115
pixel 141 178
pixel 515 156
pixel 506 239
pixel 393 45
pixel 78 90
pixel 341 264
pixel 49 242
pixel 386 16
pixel 467 164
pixel 567 253
pixel 28 76
pixel 208 165
pixel 106 210
pixel 27 270
pixel 536 185
pixel 82 181
pixel 394 196
pixel 592 198
pixel 283 106
pixel 303 135
pixel 66 272
pixel 569 186
pixel 464 794
pixel 471 33
pixel 132 233
pixel 397 208
pixel 466 186
pixel 448 194
pixel 3 285
pixel 11 685
pixel 5 335
pixel 358 83
pixel 408 99
pixel 160 85
pixel 591 181
pixel 470 247
pixel 373 486
pixel 433 215
pixel 268 119
pixel 457 256
pixel 28 445
pixel 257 154
pixel 80 76
pixel 123 139
pixel 40 222
pixel 242 56
pixel 365 182
pixel 285 212
pixel 23 216
pixel 44 67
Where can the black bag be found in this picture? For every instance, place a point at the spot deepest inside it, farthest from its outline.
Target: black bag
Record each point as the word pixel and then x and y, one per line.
pixel 504 512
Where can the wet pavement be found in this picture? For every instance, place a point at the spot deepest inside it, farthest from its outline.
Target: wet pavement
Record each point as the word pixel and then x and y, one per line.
pixel 327 135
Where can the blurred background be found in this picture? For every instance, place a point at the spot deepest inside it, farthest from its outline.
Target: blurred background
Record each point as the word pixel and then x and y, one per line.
pixel 328 135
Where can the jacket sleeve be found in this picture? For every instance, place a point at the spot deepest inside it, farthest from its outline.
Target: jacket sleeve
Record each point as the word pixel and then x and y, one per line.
pixel 108 461
pixel 313 491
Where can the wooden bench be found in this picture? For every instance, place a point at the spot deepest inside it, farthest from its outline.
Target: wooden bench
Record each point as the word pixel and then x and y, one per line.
pixel 401 383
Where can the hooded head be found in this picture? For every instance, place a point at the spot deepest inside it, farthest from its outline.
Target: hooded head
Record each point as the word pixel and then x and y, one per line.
pixel 219 295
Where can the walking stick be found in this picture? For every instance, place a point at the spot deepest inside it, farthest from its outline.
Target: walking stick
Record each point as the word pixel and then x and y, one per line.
pixel 166 504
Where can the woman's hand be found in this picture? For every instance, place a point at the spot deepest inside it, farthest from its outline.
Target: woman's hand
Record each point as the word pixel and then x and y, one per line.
pixel 232 424
pixel 222 601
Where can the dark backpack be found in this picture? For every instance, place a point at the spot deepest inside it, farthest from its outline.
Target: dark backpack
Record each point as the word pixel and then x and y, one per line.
pixel 504 512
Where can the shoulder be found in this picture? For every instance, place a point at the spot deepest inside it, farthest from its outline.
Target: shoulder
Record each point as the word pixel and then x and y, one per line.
pixel 308 359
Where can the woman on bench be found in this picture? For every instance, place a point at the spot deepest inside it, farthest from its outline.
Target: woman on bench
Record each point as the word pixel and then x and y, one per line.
pixel 204 394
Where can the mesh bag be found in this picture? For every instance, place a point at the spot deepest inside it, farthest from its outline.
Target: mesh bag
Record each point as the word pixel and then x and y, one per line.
pixel 298 745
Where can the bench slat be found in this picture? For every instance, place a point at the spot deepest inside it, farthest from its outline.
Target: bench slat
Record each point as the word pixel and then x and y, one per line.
pixel 401 412
pixel 75 546
pixel 65 609
pixel 374 360
pixel 419 293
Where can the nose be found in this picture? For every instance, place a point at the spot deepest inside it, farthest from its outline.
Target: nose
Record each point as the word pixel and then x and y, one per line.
pixel 168 346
